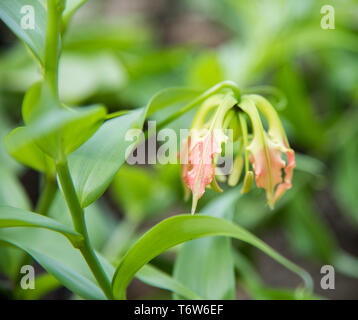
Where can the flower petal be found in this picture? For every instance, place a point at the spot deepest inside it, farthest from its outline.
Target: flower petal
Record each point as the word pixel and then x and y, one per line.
pixel 268 164
pixel 200 170
pixel 281 189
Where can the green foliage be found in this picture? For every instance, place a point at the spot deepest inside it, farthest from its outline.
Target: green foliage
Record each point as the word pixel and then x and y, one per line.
pixel 35 39
pixel 94 165
pixel 206 265
pixel 57 256
pixel 90 241
pixel 178 229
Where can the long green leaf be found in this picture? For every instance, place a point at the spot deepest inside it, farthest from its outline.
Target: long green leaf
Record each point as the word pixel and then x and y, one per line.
pixel 94 165
pixel 13 217
pixel 63 261
pixel 206 265
pixel 181 228
pixel 58 257
pixel 11 14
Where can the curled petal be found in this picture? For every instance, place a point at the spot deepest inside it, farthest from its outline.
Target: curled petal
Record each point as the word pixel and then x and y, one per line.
pixel 286 184
pixel 268 167
pixel 200 170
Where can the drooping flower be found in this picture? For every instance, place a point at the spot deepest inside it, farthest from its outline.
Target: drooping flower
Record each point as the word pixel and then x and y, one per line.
pixel 266 150
pixel 271 158
pixel 199 172
pixel 198 150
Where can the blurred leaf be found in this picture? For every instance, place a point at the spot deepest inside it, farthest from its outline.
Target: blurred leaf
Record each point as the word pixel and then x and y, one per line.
pixel 82 75
pixel 58 257
pixel 346 178
pixel 11 190
pixel 12 15
pixel 151 71
pixel 157 278
pixel 181 228
pixel 44 284
pixel 251 282
pixel 309 164
pixel 299 111
pixel 11 194
pixel 141 192
pixel 11 258
pixel 6 161
pixel 29 154
pixel 206 71
pixel 104 34
pixel 71 7
pixel 306 231
pixel 57 132
pixel 206 265
pixel 346 263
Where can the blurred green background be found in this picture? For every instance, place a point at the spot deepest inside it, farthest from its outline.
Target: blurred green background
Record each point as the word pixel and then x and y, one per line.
pixel 121 52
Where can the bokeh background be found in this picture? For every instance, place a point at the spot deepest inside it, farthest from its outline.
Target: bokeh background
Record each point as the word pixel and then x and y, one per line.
pixel 121 52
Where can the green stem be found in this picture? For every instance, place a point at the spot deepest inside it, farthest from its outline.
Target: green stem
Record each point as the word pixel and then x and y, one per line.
pixel 79 223
pixel 225 84
pixel 243 127
pixel 52 52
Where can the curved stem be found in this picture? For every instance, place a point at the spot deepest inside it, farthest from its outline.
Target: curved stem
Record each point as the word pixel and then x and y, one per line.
pixel 225 84
pixel 79 223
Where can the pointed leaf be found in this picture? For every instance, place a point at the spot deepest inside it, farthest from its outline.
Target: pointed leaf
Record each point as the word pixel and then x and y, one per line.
pixel 58 132
pixel 94 165
pixel 13 217
pixel 29 154
pixel 178 229
pixel 57 256
pixel 206 265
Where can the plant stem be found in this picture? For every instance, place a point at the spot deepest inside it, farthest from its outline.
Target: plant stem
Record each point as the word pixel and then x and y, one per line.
pixel 79 223
pixel 52 48
pixel 52 54
pixel 225 84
